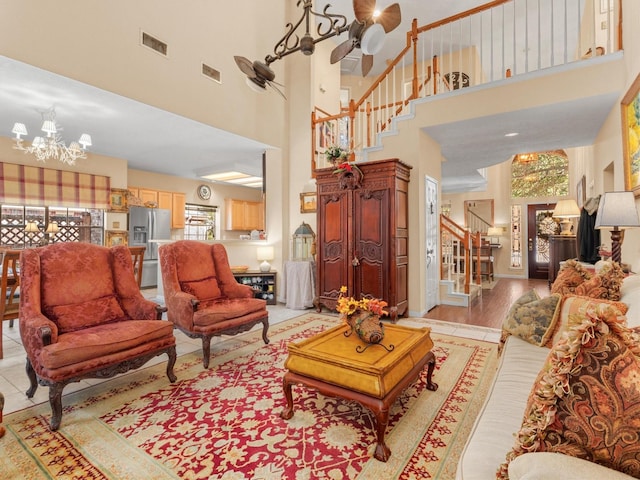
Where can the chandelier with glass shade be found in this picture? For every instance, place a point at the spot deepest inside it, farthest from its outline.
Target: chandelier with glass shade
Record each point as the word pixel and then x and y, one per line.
pixel 51 146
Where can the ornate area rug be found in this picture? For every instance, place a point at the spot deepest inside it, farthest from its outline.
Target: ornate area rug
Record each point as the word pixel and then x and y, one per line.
pixel 224 423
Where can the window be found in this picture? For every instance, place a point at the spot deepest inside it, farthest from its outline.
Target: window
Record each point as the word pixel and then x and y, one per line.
pixel 542 174
pixel 200 222
pixel 74 225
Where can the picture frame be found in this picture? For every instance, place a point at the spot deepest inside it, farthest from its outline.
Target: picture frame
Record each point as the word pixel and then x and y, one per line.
pixel 118 200
pixel 581 192
pixel 117 237
pixel 308 202
pixel 630 113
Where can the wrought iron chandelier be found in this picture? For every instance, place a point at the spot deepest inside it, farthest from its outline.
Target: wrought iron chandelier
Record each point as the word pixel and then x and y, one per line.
pixel 51 146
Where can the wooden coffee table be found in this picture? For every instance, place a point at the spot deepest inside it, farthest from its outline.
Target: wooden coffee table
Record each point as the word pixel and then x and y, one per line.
pixel 374 378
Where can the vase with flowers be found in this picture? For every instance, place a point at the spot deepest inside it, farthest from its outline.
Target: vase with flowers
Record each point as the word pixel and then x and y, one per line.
pixel 336 155
pixel 363 316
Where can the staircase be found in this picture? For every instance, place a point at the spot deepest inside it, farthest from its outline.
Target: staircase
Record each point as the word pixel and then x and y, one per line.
pixel 428 68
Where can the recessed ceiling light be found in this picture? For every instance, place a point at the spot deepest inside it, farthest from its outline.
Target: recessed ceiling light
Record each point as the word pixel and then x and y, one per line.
pixel 512 134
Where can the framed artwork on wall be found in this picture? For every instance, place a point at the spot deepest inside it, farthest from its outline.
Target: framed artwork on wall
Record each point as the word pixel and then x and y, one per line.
pixel 630 110
pixel 308 202
pixel 116 237
pixel 118 200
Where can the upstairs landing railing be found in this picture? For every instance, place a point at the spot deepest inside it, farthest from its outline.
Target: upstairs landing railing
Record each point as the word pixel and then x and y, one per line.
pixel 498 40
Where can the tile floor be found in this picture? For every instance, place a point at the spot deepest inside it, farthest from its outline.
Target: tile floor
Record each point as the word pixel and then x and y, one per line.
pixel 14 381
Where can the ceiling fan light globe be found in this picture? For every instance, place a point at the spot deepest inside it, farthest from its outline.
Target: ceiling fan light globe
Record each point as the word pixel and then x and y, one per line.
pixel 255 85
pixel 372 39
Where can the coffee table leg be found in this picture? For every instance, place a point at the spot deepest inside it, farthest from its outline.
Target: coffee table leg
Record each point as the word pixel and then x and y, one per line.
pixel 382 452
pixel 431 364
pixel 287 412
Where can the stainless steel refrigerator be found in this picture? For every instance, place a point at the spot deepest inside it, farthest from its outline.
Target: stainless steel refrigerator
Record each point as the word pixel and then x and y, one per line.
pixel 146 224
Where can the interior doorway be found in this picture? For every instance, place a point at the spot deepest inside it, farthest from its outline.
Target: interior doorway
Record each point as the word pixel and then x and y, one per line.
pixel 540 225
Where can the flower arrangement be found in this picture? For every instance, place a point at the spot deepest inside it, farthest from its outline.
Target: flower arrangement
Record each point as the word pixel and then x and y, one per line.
pixel 335 153
pixel 349 306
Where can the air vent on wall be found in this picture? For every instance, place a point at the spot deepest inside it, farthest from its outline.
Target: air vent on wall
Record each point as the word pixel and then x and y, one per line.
pixel 211 73
pixel 154 44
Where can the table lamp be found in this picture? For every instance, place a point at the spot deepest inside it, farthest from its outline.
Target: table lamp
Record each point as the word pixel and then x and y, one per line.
pixel 566 209
pixel 30 228
pixel 494 233
pixel 265 254
pixel 617 210
pixel 51 230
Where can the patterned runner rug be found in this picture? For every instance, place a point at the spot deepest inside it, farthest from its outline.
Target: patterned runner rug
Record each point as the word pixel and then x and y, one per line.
pixel 224 423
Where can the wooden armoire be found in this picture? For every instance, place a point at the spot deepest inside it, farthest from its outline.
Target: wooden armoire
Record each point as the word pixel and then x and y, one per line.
pixel 362 238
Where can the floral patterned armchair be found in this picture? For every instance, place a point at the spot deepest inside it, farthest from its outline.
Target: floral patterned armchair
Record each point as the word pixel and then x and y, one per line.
pixel 83 316
pixel 203 297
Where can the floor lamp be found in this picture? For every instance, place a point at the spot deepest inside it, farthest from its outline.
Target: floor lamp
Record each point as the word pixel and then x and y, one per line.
pixel 617 210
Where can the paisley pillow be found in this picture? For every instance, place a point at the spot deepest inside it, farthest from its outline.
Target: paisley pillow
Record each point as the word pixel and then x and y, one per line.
pixel 586 399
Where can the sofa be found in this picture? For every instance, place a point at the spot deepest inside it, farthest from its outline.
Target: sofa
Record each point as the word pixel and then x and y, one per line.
pixel 524 364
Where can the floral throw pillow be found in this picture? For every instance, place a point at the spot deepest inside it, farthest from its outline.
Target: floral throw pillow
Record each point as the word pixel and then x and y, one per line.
pixel 534 321
pixel 586 399
pixel 569 277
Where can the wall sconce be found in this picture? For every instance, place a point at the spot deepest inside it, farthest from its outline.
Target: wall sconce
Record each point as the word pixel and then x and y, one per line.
pixel 566 209
pixel 265 254
pixel 494 234
pixel 617 209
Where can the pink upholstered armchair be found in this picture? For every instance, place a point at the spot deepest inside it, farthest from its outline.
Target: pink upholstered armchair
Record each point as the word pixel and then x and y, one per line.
pixel 203 297
pixel 83 316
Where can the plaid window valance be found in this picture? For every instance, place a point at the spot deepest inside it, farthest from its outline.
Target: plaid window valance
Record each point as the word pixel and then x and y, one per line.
pixel 28 185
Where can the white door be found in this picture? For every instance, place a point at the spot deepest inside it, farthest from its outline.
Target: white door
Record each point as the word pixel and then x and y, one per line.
pixel 431 238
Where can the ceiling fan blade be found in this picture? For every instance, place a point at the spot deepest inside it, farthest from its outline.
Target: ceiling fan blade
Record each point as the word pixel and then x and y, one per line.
pixel 390 17
pixel 273 84
pixel 363 9
pixel 367 64
pixel 246 66
pixel 342 50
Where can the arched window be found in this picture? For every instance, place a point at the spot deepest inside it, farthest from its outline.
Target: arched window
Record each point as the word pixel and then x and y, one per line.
pixel 541 174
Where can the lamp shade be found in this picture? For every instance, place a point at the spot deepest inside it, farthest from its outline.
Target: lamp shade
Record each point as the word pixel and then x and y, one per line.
pixel 52 227
pixel 31 227
pixel 617 209
pixel 265 253
pixel 494 231
pixel 566 209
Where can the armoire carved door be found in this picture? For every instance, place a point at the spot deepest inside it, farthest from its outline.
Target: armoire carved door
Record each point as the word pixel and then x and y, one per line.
pixel 362 240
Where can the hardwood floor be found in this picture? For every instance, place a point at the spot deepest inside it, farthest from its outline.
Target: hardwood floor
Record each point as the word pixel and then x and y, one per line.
pixel 491 307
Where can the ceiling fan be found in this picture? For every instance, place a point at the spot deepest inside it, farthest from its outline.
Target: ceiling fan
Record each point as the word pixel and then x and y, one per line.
pixel 259 75
pixel 367 32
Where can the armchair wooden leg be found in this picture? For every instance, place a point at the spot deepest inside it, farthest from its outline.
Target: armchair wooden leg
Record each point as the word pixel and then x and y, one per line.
pixel 2 429
pixel 170 364
pixel 55 399
pixel 265 328
pixel 31 373
pixel 206 350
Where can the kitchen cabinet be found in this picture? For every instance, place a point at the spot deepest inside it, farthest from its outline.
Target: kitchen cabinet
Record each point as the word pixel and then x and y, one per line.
pixel 147 195
pixel 363 234
pixel 178 201
pixel 244 215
